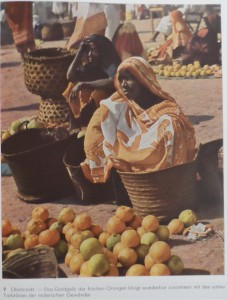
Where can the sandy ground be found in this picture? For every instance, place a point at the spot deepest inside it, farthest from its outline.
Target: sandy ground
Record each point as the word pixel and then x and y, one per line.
pixel 201 100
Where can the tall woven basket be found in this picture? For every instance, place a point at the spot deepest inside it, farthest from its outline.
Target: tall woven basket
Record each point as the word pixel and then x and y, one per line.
pixel 45 71
pixel 163 193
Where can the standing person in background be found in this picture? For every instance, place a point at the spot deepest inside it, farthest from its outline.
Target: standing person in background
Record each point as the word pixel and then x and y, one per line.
pixel 91 19
pixel 19 18
pixel 58 9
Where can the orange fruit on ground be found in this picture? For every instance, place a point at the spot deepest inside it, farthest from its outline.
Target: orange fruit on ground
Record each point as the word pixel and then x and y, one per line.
pixel 36 226
pixel 160 270
pixel 135 222
pixel 69 233
pixel 150 223
pixel 160 251
pixel 138 270
pixel 175 226
pixel 141 231
pixel 125 213
pixel 117 248
pixel 130 238
pixel 31 241
pixel 98 264
pixel 113 271
pixel 75 263
pixel 50 221
pixel 103 237
pixel 76 239
pixel 83 221
pixel 110 256
pixel 96 229
pixel 84 272
pixel 49 237
pixel 14 241
pixel 66 215
pixel 115 225
pixel 6 227
pixel 66 227
pixel 90 247
pixel 69 255
pixel 127 257
pixel 87 233
pixel 41 213
pixel 148 261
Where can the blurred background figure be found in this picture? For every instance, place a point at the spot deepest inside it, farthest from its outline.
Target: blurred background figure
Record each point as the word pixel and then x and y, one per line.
pixel 58 9
pixel 40 17
pixel 91 19
pixel 19 17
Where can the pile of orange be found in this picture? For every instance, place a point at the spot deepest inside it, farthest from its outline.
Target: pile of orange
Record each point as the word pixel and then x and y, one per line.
pixel 128 244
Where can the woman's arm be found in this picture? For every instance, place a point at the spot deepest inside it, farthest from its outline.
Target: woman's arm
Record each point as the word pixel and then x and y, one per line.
pixel 76 65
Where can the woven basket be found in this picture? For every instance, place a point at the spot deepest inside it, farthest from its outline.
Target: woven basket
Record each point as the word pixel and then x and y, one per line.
pixel 35 157
pixel 52 32
pixel 53 112
pixel 210 169
pixel 45 71
pixel 87 192
pixel 163 193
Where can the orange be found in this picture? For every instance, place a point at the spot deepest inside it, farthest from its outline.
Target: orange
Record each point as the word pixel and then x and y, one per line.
pixel 83 221
pixel 31 241
pixel 148 261
pixel 160 251
pixel 159 270
pixel 115 225
pixel 49 237
pixel 130 238
pixel 41 213
pixel 98 264
pixel 76 262
pixel 36 226
pixel 66 215
pixel 76 239
pixel 150 223
pixel 117 248
pixel 125 213
pixel 113 271
pixel 110 256
pixel 96 229
pixel 6 227
pixel 127 257
pixel 135 222
pixel 140 230
pixel 14 241
pixel 87 233
pixel 84 272
pixel 69 233
pixel 175 226
pixel 137 270
pixel 50 221
pixel 67 226
pixel 69 255
pixel 103 237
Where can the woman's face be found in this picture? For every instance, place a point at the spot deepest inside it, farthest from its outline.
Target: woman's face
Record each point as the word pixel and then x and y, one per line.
pixel 93 54
pixel 130 86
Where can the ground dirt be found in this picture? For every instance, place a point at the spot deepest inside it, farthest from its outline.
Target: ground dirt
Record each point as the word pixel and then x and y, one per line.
pixel 201 100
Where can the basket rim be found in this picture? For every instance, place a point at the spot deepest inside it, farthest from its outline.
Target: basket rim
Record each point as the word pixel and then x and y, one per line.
pixel 29 150
pixel 28 56
pixel 192 162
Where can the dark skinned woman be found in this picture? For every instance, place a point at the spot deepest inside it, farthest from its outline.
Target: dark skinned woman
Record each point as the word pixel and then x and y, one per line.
pixel 140 128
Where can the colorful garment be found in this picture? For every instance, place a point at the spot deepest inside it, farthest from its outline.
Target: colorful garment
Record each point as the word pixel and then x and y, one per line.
pixel 144 140
pixel 19 18
pixel 91 19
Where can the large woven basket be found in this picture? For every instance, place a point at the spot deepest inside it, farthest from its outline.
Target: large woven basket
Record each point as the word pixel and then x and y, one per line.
pixel 35 157
pixel 112 191
pixel 163 193
pixel 45 71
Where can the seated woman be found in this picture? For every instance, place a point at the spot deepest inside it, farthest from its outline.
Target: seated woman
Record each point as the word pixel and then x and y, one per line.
pixel 91 76
pixel 140 128
pixel 203 45
pixel 175 43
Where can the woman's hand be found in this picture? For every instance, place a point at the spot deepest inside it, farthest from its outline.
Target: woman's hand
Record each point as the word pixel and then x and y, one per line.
pixel 120 164
pixel 75 91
